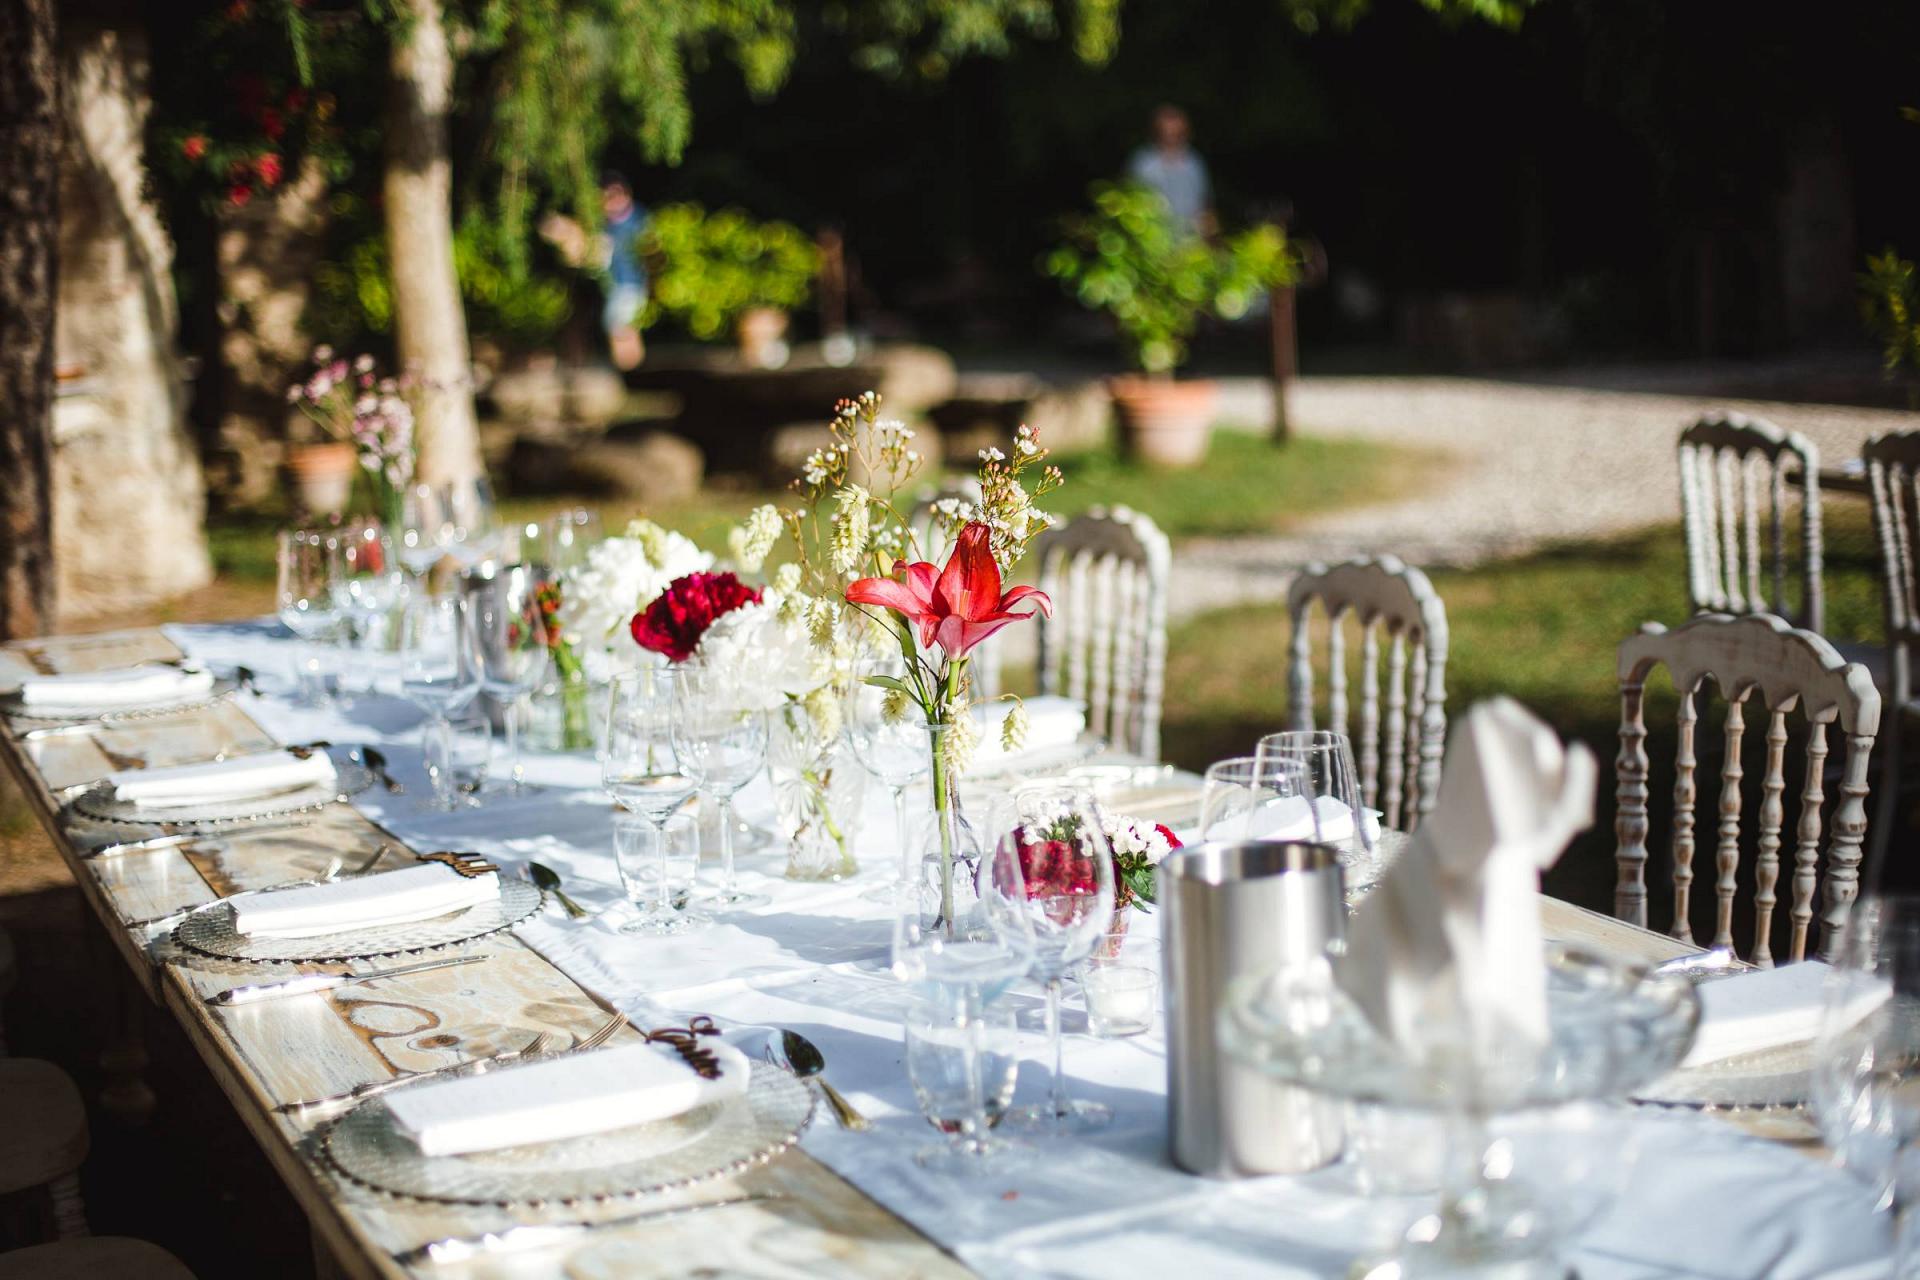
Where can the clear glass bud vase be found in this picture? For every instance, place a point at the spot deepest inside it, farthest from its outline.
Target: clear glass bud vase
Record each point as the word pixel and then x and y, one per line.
pixel 950 845
pixel 819 792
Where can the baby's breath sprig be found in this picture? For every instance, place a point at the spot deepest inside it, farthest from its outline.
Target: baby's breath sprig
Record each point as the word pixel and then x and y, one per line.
pixel 1007 500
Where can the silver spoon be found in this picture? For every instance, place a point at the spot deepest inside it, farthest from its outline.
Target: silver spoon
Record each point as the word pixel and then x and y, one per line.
pixel 799 1055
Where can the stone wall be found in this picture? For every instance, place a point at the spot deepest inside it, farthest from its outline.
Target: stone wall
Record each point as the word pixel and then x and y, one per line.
pixel 128 503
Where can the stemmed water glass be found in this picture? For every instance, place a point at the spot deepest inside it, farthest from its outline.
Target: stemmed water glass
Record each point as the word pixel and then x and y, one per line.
pixel 722 743
pixel 1244 798
pixel 440 674
pixel 307 563
pixel 1332 785
pixel 1066 865
pixel 1866 1076
pixel 515 647
pixel 471 529
pixel 371 581
pixel 641 771
pixel 898 752
pixel 422 537
pixel 961 967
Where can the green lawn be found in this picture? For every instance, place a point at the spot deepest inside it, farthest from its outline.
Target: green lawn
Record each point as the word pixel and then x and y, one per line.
pixel 1542 628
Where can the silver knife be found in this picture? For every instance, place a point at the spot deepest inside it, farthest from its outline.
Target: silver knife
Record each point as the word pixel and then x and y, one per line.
pixel 511 1240
pixel 254 993
pixel 374 1088
pixel 193 837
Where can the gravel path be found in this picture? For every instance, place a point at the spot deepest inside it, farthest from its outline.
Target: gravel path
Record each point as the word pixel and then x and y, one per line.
pixel 1528 464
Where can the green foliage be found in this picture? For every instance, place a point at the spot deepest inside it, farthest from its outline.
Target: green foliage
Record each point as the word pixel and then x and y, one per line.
pixel 1134 260
pixel 560 75
pixel 1312 15
pixel 914 37
pixel 1890 309
pixel 711 267
pixel 353 294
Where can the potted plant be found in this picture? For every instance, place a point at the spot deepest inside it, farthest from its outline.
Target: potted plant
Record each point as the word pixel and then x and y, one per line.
pixel 1131 258
pixel 371 425
pixel 721 272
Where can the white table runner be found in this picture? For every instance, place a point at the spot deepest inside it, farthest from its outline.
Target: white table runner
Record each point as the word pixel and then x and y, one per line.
pixel 1708 1202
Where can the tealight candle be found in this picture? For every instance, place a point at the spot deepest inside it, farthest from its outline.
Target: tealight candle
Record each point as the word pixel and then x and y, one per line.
pixel 1119 998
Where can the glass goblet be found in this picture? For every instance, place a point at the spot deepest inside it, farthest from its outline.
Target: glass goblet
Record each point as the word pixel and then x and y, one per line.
pixel 721 741
pixel 898 752
pixel 1338 808
pixel 1066 865
pixel 641 772
pixel 307 577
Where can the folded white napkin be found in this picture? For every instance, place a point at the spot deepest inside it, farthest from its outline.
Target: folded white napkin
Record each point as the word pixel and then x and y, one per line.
pixel 566 1098
pixel 1445 956
pixel 393 897
pixel 1290 818
pixel 1052 722
pixel 1768 1008
pixel 182 785
pixel 120 687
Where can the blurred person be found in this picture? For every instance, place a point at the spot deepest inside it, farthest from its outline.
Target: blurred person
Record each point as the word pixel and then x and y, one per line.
pixel 1171 166
pixel 616 253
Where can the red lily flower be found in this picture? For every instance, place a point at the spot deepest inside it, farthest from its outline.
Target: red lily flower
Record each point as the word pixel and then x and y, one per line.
pixel 956 607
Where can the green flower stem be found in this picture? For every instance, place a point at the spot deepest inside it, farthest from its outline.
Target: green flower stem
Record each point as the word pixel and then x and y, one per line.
pixel 823 808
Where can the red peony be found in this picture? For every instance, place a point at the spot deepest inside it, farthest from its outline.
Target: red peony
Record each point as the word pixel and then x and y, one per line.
pixel 238 194
pixel 673 624
pixel 194 147
pixel 268 167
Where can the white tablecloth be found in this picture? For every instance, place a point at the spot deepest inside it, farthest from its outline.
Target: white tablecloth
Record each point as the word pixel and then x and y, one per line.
pixel 1708 1202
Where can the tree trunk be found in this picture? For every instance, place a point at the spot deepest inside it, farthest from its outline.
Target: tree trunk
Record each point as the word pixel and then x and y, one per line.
pixel 29 229
pixel 129 504
pixel 430 329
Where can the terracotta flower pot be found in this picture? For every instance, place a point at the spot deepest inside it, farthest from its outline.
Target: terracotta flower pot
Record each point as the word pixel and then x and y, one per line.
pixel 761 331
pixel 322 475
pixel 1163 422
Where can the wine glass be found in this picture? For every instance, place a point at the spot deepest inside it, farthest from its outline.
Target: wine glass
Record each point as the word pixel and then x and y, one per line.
pixel 1066 864
pixel 898 752
pixel 1866 1076
pixel 471 532
pixel 422 537
pixel 722 743
pixel 515 647
pixel 307 564
pixel 1338 811
pixel 566 537
pixel 440 674
pixel 371 581
pixel 642 773
pixel 962 966
pixel 1244 798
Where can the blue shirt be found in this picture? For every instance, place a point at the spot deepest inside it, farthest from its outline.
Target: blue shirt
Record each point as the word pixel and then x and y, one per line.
pixel 623 233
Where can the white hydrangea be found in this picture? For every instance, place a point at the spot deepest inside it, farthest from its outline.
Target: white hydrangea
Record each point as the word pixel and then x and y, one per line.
pixel 620 577
pixel 768 651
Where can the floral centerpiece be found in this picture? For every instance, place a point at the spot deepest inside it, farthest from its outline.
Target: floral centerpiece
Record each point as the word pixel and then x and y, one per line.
pixel 355 404
pixel 937 615
pixel 593 606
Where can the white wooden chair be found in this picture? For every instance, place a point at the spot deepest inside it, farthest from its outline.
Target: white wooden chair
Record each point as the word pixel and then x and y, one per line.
pixel 43 1139
pixel 1400 767
pixel 1106 644
pixel 1893 471
pixel 1789 669
pixel 1723 460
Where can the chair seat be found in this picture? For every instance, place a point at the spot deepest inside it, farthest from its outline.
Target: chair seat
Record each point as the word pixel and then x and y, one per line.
pixel 43 1124
pixel 91 1259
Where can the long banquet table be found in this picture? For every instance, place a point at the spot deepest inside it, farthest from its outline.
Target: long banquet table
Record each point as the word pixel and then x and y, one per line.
pixel 1710 1201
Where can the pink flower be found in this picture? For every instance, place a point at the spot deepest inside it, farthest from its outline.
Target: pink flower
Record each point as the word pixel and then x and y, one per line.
pixel 956 607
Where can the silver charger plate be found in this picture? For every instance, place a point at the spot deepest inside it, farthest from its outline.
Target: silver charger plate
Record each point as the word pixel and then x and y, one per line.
pixel 209 931
pixel 367 1147
pixel 1771 1078
pixel 13 708
pixel 350 778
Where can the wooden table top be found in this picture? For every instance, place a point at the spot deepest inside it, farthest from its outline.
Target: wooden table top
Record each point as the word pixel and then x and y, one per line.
pixel 285 1050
